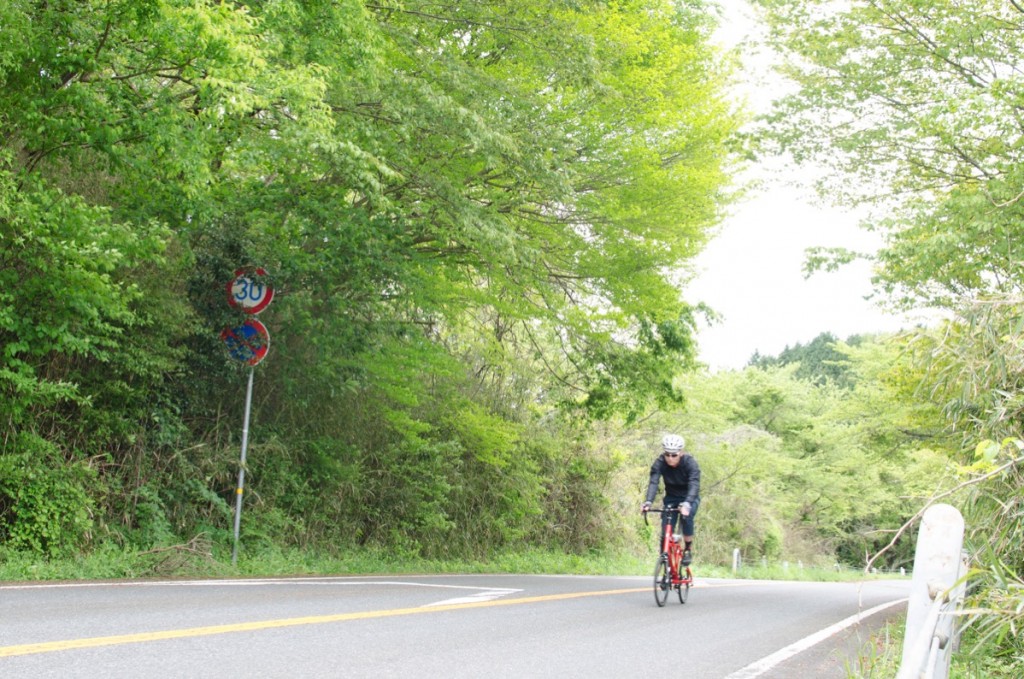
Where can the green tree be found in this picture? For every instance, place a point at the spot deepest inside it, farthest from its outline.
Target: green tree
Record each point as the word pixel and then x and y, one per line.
pixel 818 361
pixel 471 214
pixel 972 372
pixel 807 470
pixel 914 106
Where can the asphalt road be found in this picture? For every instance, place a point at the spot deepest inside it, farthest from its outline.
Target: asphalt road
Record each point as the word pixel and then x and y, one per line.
pixel 447 627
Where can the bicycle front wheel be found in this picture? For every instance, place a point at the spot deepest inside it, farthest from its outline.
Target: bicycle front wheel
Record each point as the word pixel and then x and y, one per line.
pixel 684 591
pixel 662 581
pixel 683 588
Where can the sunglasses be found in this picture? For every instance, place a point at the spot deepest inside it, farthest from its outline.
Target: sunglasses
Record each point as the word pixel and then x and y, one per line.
pixel 671 454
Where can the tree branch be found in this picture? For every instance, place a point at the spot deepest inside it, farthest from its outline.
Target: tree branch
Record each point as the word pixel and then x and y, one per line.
pixel 935 499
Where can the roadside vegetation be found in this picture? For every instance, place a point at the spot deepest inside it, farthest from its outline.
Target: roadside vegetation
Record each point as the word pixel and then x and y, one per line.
pixel 910 110
pixel 478 219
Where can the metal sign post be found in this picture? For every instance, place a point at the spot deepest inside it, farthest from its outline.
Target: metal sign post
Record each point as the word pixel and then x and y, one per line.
pixel 248 343
pixel 241 468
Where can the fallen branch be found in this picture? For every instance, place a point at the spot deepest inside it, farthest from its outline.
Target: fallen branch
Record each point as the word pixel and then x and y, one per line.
pixel 197 545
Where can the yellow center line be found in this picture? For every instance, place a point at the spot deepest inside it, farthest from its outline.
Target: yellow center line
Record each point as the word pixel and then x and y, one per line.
pixel 93 642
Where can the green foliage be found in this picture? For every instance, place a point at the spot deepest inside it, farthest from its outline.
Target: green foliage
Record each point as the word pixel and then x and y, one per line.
pixel 881 656
pixel 472 215
pixel 914 106
pixel 918 104
pixel 973 372
pixel 46 504
pixel 807 470
pixel 819 361
pixel 62 296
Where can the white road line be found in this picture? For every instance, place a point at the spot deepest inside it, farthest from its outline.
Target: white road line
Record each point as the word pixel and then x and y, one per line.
pixel 305 582
pixel 479 593
pixel 488 595
pixel 756 669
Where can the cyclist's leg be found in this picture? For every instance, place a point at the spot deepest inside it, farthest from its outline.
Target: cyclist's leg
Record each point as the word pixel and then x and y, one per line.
pixel 688 530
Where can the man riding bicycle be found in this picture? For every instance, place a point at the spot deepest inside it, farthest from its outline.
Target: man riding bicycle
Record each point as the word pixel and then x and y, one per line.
pixel 682 488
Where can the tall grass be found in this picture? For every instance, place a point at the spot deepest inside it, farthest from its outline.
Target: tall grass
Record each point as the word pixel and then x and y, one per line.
pixel 200 560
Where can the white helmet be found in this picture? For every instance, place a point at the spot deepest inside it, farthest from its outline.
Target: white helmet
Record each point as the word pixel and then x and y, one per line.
pixel 673 443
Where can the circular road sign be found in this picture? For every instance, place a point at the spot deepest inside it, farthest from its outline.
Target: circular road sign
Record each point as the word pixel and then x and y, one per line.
pixel 249 291
pixel 248 342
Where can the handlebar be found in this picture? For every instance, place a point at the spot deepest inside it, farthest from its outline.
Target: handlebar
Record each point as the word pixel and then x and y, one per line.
pixel 663 510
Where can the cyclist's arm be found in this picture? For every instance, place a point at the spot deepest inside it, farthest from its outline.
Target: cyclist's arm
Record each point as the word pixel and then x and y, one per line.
pixel 652 486
pixel 693 484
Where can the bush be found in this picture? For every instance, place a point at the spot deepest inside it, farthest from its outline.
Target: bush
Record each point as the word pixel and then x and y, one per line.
pixel 45 502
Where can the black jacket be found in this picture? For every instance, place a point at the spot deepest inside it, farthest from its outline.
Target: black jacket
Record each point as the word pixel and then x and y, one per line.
pixel 681 481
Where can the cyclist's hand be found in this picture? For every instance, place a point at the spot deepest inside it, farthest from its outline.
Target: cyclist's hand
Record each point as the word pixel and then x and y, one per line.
pixel 684 509
pixel 644 507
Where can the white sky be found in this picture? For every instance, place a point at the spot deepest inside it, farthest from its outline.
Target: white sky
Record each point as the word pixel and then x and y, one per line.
pixel 752 275
pixel 752 272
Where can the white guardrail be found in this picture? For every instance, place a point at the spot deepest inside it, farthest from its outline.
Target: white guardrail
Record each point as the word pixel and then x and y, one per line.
pixel 936 593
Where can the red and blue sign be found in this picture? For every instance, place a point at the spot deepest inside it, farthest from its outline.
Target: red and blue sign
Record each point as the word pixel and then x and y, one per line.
pixel 248 342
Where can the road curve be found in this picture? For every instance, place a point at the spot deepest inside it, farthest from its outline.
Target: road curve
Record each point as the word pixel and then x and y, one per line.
pixel 450 626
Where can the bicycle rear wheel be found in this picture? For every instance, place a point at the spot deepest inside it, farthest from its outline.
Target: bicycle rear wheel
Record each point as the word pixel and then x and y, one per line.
pixel 662 581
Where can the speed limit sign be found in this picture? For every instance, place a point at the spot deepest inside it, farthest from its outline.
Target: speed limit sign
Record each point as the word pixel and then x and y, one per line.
pixel 250 291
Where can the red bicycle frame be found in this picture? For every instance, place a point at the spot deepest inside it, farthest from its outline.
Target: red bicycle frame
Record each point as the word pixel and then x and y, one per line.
pixel 671 546
pixel 672 549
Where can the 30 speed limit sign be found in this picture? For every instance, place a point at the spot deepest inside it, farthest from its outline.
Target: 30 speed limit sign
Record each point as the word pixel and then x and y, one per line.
pixel 250 291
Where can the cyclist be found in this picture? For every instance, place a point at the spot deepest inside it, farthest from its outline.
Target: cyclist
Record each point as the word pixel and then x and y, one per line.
pixel 682 488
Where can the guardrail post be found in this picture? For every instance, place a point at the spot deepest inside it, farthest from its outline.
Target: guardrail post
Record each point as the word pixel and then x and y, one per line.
pixel 937 567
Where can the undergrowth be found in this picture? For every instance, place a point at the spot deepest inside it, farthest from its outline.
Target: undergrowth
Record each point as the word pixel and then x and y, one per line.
pixel 200 558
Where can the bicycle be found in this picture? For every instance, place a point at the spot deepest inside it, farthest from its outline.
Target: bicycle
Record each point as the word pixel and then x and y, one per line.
pixel 667 572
